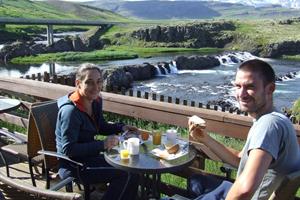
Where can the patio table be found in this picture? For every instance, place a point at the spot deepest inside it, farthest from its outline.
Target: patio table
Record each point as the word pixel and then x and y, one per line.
pixel 7 104
pixel 149 166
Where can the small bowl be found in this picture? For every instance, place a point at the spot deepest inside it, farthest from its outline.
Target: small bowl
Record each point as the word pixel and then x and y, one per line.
pixel 172 149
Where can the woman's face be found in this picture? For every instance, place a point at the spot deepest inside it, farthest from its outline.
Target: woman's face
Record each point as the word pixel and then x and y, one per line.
pixel 91 85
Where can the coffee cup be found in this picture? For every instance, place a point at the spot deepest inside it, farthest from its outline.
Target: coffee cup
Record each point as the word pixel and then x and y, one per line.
pixel 132 145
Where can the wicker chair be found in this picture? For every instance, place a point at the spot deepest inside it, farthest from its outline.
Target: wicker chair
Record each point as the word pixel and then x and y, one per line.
pixel 25 149
pixel 288 188
pixel 18 190
pixel 45 116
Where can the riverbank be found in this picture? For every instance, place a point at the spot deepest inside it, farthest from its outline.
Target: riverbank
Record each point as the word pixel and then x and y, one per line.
pixel 110 53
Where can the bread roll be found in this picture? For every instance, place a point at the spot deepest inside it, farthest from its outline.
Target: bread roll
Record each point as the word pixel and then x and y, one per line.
pixel 198 121
pixel 172 149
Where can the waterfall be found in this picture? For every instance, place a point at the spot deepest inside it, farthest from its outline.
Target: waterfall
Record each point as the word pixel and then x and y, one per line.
pixel 162 70
pixel 173 67
pixel 158 73
pixel 234 58
pixel 165 70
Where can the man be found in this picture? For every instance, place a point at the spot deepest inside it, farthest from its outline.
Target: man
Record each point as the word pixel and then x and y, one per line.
pixel 271 150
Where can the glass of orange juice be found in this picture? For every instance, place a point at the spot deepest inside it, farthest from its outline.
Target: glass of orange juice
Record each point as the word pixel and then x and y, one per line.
pixel 124 153
pixel 144 135
pixel 156 137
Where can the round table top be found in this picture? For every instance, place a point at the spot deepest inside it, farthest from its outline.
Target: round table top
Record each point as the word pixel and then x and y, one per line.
pixel 7 104
pixel 146 162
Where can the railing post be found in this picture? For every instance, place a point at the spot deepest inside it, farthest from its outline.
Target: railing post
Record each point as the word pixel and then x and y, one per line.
pixel 39 76
pixel 46 77
pixel 185 102
pixel 131 92
pixel 154 96
pixel 146 95
pixel 138 94
pixel 123 90
pixel 193 103
pixel 162 98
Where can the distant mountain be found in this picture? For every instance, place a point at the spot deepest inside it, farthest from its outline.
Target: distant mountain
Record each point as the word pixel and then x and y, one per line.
pixel 196 9
pixel 263 3
pixel 255 3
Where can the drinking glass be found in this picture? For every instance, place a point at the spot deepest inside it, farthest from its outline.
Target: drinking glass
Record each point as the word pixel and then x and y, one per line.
pixel 156 136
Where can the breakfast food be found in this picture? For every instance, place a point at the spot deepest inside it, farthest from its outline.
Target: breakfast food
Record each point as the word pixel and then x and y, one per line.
pixel 198 121
pixel 144 135
pixel 172 149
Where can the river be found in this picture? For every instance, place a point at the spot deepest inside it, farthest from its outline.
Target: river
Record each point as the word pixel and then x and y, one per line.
pixel 198 85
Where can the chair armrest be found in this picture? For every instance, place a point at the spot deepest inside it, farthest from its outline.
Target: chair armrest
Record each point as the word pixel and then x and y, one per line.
pixel 17 137
pixel 60 156
pixel 62 184
pixel 66 158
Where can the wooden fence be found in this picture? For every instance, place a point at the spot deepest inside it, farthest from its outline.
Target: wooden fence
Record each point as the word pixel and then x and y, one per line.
pixel 70 80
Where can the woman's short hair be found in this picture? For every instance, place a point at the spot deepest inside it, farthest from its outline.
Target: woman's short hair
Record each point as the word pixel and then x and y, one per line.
pixel 263 68
pixel 81 71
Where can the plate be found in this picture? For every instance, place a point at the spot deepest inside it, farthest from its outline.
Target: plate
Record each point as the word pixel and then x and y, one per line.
pixel 161 152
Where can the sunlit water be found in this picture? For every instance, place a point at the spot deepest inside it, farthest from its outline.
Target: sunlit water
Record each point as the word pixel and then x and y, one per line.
pixel 194 85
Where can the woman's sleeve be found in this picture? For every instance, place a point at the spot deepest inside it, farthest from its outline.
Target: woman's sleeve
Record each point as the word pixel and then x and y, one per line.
pixel 70 122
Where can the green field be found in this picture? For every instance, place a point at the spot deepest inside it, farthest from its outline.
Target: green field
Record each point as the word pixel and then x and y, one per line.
pixel 54 10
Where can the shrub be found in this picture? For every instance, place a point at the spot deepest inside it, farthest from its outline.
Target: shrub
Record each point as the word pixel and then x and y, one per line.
pixel 296 109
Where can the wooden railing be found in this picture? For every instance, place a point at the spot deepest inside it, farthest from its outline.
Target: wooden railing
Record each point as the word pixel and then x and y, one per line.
pixel 224 123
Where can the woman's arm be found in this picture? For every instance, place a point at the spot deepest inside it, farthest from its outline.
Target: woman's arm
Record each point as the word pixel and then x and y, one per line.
pixel 70 122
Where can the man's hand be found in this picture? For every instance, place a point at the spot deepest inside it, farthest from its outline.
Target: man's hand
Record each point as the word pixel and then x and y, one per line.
pixel 110 142
pixel 197 133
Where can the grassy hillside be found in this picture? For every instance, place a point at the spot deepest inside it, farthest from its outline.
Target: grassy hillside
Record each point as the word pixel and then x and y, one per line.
pixel 55 10
pixel 260 33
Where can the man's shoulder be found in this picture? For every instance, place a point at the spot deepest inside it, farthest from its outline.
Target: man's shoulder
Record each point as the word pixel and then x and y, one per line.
pixel 274 117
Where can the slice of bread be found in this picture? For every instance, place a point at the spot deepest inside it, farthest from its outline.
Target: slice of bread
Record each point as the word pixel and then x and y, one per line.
pixel 198 121
pixel 172 148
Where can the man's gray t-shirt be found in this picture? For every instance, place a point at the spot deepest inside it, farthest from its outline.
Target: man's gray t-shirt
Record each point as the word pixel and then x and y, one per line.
pixel 275 134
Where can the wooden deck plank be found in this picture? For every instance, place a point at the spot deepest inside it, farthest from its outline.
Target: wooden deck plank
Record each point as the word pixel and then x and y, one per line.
pixel 20 173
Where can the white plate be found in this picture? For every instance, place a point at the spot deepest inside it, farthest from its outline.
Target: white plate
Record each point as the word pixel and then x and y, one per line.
pixel 163 153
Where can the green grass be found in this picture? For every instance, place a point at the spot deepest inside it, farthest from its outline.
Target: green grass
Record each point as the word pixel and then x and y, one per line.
pixel 152 51
pixel 55 10
pixel 296 109
pixel 289 57
pixel 12 127
pixel 76 56
pixel 110 53
pixel 263 31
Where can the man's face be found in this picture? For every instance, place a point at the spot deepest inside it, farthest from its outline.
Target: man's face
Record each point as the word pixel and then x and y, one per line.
pixel 253 96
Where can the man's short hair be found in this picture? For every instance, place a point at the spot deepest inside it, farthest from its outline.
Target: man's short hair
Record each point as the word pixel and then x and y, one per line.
pixel 263 68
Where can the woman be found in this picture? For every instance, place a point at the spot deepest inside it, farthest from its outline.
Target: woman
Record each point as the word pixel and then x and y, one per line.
pixel 80 118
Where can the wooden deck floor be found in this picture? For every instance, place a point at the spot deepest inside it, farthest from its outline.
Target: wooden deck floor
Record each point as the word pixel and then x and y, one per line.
pixel 19 172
